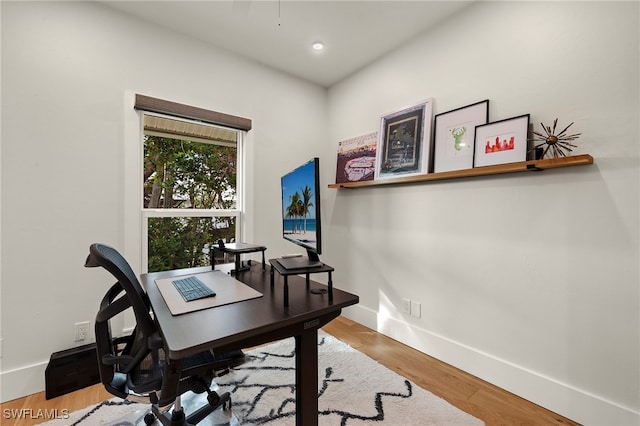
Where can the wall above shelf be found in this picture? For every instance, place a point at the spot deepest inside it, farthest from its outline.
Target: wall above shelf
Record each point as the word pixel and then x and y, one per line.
pixel 524 166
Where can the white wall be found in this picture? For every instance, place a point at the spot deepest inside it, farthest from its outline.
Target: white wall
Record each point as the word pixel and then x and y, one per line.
pixel 68 71
pixel 530 281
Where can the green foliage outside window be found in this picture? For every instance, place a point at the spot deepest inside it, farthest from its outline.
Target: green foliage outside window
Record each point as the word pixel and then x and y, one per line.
pixel 181 174
pixel 183 242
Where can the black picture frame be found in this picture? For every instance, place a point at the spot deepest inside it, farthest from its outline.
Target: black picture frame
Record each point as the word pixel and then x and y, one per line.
pixel 454 136
pixel 501 142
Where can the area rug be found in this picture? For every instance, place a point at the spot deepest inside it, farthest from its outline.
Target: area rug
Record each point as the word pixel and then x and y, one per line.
pixel 354 390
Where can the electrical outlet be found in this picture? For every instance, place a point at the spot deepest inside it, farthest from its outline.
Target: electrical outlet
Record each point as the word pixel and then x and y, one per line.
pixel 416 309
pixel 81 330
pixel 406 306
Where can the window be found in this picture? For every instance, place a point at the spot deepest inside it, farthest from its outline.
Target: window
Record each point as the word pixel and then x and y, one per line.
pixel 191 189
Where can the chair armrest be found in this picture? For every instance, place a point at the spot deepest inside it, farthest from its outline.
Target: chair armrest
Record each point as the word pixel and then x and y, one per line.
pixel 123 360
pixel 155 342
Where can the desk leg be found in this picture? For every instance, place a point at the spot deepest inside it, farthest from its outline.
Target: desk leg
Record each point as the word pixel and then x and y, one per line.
pixel 307 378
pixel 286 291
pixel 330 288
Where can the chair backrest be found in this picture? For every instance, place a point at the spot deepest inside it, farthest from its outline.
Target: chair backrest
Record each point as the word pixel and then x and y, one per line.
pixel 119 356
pixel 111 260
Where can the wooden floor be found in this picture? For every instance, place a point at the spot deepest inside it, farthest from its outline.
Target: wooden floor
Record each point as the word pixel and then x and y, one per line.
pixel 480 399
pixel 492 405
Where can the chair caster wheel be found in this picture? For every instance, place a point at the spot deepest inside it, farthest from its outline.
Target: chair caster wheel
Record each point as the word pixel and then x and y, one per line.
pixel 149 419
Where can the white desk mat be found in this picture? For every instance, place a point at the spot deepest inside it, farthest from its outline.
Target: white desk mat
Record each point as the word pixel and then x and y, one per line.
pixel 228 290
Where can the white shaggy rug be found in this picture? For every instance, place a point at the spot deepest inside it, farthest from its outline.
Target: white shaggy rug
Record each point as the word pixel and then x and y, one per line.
pixel 354 390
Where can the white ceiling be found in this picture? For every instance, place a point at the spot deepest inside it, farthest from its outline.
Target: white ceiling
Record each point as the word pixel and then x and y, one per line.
pixel 279 33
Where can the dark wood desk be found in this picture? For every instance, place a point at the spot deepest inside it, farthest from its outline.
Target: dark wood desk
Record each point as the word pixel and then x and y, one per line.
pixel 254 322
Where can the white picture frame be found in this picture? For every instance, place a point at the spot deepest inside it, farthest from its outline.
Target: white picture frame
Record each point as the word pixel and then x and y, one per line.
pixel 404 141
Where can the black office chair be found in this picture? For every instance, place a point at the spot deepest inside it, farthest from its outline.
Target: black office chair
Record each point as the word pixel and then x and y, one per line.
pixel 134 367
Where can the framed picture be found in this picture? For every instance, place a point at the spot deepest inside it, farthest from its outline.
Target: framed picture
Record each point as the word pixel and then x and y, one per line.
pixel 357 158
pixel 501 142
pixel 404 141
pixel 454 136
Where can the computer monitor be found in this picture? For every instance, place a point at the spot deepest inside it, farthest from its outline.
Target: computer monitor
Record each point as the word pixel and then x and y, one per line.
pixel 301 222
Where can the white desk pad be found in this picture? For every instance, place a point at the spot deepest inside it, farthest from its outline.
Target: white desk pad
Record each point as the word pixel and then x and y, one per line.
pixel 228 290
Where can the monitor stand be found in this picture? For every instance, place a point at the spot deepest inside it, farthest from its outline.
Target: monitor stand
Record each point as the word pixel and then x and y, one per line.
pixel 276 265
pixel 300 262
pixel 237 249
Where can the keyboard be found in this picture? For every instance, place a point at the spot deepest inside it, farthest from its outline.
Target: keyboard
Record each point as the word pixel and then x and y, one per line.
pixel 191 288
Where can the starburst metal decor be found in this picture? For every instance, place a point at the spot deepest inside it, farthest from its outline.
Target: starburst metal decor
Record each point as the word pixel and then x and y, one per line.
pixel 557 144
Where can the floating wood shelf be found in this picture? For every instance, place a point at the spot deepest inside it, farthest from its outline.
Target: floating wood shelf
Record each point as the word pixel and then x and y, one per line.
pixel 524 166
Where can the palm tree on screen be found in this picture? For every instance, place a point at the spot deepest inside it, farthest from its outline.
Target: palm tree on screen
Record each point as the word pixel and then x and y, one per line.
pixel 294 210
pixel 306 203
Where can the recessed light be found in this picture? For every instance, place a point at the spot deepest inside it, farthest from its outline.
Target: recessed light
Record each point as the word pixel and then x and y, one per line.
pixel 318 45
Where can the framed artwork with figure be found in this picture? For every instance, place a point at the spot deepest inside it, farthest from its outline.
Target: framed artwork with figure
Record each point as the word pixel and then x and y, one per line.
pixel 404 142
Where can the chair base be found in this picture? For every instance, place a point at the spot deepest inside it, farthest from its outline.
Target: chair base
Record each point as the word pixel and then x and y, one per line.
pixel 176 416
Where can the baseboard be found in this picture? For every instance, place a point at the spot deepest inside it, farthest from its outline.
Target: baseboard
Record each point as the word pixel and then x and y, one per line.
pixel 555 396
pixel 22 381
